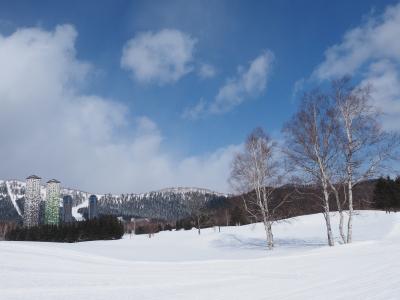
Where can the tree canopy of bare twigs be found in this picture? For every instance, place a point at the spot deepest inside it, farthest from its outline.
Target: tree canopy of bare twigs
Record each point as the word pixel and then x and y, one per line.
pixel 310 146
pixel 197 206
pixel 365 147
pixel 335 141
pixel 255 175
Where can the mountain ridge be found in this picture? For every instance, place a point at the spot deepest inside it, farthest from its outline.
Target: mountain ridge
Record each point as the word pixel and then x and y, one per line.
pixel 168 203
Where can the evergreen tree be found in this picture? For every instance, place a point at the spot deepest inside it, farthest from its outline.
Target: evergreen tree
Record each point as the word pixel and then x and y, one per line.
pixel 387 194
pixel 103 228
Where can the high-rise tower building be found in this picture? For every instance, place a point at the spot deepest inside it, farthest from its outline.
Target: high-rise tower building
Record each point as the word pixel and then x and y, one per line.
pixel 92 207
pixel 67 209
pixel 32 201
pixel 52 211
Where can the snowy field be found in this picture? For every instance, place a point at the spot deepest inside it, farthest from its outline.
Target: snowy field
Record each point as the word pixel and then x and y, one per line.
pixel 231 264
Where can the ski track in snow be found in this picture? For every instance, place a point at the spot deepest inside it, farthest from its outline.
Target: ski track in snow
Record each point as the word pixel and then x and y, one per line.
pixel 78 216
pixel 13 198
pixel 231 264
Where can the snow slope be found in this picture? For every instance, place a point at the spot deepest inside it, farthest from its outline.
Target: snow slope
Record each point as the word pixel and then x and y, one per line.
pixel 78 216
pixel 13 198
pixel 231 264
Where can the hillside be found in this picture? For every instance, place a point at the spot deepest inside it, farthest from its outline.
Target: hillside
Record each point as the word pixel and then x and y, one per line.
pixel 178 203
pixel 171 203
pixel 232 264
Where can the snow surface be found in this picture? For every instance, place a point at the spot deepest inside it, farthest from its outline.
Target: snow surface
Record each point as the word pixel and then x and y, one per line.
pixel 231 264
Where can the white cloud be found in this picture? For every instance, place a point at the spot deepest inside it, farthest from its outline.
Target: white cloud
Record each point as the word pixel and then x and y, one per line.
pixel 385 79
pixel 49 126
pixel 195 112
pixel 298 87
pixel 162 57
pixel 206 71
pixel 216 165
pixel 371 51
pixel 247 84
pixel 377 38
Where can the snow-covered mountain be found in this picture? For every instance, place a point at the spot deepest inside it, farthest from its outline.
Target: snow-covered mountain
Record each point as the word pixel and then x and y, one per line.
pixel 170 203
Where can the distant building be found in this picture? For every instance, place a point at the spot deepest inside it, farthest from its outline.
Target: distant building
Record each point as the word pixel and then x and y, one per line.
pixel 93 207
pixel 67 209
pixel 52 210
pixel 32 201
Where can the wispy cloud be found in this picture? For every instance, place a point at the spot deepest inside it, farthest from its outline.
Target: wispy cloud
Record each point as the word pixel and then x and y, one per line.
pixel 248 83
pixel 195 112
pixel 376 38
pixel 384 78
pixel 298 87
pixel 371 51
pixel 206 71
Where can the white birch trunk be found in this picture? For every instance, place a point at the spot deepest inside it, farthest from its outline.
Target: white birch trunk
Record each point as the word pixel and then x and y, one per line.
pixel 341 215
pixel 198 224
pixel 350 221
pixel 270 236
pixel 350 181
pixel 327 215
pixel 268 231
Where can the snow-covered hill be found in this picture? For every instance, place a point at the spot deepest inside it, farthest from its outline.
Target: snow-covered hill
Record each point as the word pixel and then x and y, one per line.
pixel 170 203
pixel 231 264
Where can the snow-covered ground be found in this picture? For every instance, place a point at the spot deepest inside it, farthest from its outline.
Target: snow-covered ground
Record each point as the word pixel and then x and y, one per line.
pixel 231 264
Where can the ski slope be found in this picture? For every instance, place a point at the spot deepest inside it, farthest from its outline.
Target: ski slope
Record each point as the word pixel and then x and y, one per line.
pixel 231 264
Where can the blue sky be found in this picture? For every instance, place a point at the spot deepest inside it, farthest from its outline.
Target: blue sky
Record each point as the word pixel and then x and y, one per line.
pixel 176 104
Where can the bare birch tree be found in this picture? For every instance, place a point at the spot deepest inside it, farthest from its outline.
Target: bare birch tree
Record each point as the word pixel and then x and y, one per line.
pixel 365 146
pixel 255 176
pixel 310 146
pixel 197 206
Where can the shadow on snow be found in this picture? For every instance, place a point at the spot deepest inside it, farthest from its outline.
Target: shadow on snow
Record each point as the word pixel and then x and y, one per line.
pixel 234 241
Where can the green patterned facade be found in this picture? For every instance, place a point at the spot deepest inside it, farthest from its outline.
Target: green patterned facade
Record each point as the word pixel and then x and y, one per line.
pixel 52 211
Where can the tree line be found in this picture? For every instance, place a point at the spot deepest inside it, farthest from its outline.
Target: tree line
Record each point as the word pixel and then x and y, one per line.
pixel 387 194
pixel 231 211
pixel 102 228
